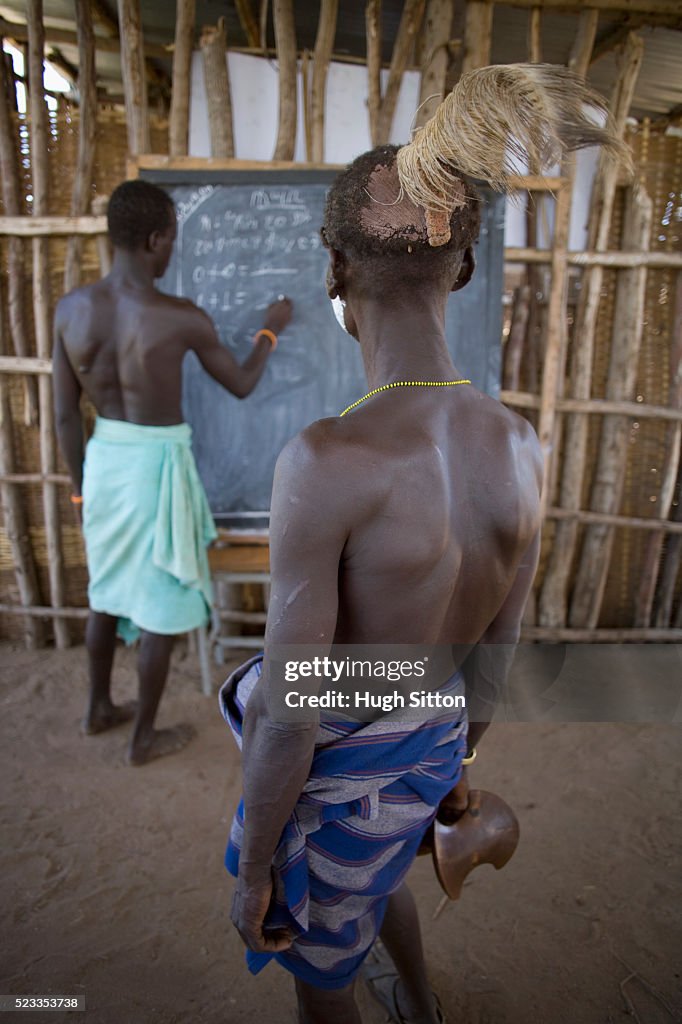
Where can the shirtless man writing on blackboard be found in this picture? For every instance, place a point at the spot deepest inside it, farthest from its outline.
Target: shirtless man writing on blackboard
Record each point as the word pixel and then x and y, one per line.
pixel 146 521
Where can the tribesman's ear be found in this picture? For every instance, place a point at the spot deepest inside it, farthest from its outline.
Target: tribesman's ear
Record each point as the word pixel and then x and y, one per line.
pixel 336 273
pixel 466 270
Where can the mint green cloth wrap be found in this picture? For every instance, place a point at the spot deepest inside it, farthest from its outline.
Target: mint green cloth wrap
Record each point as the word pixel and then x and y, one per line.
pixel 147 524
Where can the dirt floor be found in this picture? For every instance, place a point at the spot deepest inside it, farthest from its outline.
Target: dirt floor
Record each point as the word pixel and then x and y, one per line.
pixel 113 885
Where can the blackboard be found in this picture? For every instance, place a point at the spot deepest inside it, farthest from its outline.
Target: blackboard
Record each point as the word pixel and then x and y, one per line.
pixel 245 237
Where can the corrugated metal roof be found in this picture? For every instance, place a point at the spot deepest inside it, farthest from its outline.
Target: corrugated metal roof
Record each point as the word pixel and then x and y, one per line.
pixel 658 90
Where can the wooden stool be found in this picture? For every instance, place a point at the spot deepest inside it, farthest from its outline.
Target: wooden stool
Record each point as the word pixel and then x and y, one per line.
pixel 237 558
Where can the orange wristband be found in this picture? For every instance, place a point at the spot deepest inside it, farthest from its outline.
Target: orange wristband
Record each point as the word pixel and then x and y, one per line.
pixel 270 335
pixel 76 499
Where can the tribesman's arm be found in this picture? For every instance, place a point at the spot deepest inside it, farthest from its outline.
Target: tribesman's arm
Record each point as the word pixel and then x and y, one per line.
pixel 308 531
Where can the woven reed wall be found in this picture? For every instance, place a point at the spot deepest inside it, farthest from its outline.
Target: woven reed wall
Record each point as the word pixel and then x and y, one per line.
pixel 110 169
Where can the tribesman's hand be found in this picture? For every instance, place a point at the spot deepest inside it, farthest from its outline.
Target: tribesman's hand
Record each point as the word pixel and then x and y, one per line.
pixel 278 315
pixel 249 907
pixel 453 806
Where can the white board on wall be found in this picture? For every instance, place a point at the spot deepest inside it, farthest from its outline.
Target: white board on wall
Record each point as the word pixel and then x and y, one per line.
pixel 254 84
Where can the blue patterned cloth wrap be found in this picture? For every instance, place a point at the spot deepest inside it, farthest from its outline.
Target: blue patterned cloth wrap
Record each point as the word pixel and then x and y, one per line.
pixel 372 792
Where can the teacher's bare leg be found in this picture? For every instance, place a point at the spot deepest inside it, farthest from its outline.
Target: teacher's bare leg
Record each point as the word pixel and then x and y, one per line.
pixel 148 743
pixel 100 642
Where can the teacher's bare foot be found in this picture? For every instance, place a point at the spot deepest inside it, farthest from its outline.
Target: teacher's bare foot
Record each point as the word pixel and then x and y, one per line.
pixel 101 719
pixel 161 743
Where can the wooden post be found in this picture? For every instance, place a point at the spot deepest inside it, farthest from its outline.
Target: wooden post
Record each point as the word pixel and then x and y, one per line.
pixel 87 123
pixel 285 39
pixel 213 44
pixel 14 206
pixel 324 44
pixel 134 76
pixel 13 514
pixel 535 35
pixel 554 597
pixel 478 28
pixel 178 128
pixel 41 310
pixel 609 473
pixel 670 488
pixel 411 19
pixel 437 25
pixel 99 208
pixel 513 348
pixel 373 30
pixel 248 23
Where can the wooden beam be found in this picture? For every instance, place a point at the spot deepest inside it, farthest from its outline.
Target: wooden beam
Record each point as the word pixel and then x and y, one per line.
pixel 87 127
pixel 38 137
pixel 178 128
pixel 45 613
pixel 30 227
pixel 134 76
pixel 595 406
pixel 609 472
pixel 285 38
pixel 19 34
pixel 248 23
pixel 603 636
pixel 667 7
pixel 158 162
pixel 613 519
pixel 24 364
pixel 670 260
pixel 34 478
pixel 213 45
pixel 324 44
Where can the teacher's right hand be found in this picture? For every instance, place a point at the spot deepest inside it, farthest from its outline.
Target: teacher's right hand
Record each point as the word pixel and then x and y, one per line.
pixel 278 315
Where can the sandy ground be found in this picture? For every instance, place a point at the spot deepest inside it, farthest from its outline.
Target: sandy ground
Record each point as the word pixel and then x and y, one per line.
pixel 113 884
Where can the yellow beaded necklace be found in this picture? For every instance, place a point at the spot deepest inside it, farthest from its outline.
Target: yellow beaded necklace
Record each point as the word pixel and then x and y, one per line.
pixel 406 384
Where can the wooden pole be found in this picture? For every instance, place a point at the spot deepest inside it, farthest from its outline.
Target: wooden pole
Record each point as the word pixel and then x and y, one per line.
pixel 535 35
pixel 554 593
pixel 513 348
pixel 13 203
pixel 248 23
pixel 671 488
pixel 434 69
pixel 478 28
pixel 99 209
pixel 13 514
pixel 609 473
pixel 87 127
pixel 41 309
pixel 324 44
pixel 178 128
pixel 669 473
pixel 213 45
pixel 134 76
pixel 373 29
pixel 285 38
pixel 411 19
